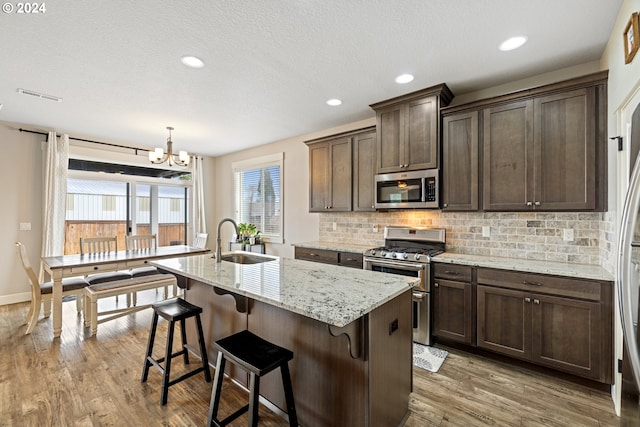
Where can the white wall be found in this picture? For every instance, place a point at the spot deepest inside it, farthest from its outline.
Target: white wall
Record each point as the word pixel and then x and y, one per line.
pixel 21 179
pixel 299 224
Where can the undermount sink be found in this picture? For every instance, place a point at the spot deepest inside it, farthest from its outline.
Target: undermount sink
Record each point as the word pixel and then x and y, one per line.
pixel 245 258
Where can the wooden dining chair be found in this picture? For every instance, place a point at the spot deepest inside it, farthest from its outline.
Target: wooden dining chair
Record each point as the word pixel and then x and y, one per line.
pixel 43 292
pixel 200 241
pixel 144 242
pixel 141 242
pixel 98 245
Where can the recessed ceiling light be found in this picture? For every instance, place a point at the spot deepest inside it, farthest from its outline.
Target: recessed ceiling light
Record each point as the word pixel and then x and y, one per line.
pixel 513 43
pixel 192 61
pixel 404 78
pixel 334 102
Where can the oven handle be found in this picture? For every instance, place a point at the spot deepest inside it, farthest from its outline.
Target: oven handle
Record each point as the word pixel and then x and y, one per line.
pixel 418 296
pixel 403 266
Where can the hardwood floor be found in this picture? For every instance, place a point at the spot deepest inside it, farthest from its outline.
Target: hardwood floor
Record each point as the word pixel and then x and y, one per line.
pixel 95 381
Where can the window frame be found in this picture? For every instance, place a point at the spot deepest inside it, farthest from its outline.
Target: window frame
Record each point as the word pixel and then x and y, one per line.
pixel 257 163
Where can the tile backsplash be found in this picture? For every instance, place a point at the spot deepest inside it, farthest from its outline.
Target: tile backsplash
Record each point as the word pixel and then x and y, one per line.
pixel 574 237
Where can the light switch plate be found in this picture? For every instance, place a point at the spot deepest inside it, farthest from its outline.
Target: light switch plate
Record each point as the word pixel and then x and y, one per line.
pixel 335 226
pixel 25 226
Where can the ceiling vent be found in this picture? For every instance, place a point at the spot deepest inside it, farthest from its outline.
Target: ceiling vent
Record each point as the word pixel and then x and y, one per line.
pixel 39 95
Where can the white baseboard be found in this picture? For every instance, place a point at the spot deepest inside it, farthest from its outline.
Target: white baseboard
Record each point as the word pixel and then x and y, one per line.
pixel 15 298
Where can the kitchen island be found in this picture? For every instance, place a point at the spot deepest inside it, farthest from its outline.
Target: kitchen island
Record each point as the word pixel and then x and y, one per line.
pixel 350 331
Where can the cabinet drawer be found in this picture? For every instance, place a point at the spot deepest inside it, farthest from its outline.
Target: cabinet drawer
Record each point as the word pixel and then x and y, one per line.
pixel 350 259
pixel 94 268
pixel 317 255
pixel 459 273
pixel 560 286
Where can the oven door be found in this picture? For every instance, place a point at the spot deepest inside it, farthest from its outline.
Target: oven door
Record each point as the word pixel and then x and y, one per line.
pixel 411 269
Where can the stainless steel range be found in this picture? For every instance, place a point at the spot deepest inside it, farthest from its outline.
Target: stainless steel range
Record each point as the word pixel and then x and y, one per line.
pixel 408 251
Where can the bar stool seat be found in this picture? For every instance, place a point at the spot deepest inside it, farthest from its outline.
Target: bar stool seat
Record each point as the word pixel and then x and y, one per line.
pixel 258 357
pixel 173 310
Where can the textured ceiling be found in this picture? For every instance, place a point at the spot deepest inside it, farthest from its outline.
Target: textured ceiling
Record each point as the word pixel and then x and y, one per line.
pixel 270 65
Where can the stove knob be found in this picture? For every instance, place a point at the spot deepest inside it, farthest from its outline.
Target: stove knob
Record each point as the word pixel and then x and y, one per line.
pixel 405 256
pixel 373 251
pixel 382 253
pixel 417 257
pixel 393 255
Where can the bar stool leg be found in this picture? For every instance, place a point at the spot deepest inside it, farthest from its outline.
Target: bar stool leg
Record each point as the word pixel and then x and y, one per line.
pixel 203 350
pixel 254 387
pixel 167 365
pixel 152 336
pixel 217 388
pixel 288 395
pixel 183 334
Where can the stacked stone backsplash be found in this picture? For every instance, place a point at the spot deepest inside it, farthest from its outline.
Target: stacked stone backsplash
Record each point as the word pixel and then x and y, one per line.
pixel 530 235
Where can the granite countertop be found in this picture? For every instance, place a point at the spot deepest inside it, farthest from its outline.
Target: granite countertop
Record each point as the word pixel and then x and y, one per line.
pixel 331 294
pixel 582 271
pixel 334 246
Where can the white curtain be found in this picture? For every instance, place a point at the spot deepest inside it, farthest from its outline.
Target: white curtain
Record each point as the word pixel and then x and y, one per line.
pixel 55 195
pixel 198 220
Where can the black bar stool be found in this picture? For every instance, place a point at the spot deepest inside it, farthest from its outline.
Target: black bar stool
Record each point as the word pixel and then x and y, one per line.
pixel 258 357
pixel 173 310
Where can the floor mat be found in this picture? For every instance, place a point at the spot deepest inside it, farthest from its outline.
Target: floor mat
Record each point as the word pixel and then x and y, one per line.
pixel 429 358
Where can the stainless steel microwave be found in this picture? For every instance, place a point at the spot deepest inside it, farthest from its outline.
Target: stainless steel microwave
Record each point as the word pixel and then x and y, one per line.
pixel 408 190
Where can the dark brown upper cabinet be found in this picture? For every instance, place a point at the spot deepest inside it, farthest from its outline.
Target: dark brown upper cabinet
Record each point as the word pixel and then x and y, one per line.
pixel 408 130
pixel 541 149
pixel 460 162
pixel 364 170
pixel 341 172
pixel 330 176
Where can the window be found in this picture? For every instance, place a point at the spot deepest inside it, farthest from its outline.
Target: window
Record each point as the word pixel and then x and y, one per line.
pixel 258 195
pixel 116 200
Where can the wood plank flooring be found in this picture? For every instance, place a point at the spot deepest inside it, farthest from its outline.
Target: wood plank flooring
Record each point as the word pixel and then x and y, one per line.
pixel 79 380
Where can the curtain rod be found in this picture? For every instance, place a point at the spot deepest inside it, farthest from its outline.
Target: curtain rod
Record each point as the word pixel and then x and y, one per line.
pixel 136 149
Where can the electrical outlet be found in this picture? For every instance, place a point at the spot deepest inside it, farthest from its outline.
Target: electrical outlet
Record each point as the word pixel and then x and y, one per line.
pixel 567 235
pixel 375 228
pixel 335 226
pixel 486 231
pixel 25 226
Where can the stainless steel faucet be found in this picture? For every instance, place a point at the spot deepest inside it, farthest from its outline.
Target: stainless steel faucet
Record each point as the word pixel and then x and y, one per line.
pixel 218 240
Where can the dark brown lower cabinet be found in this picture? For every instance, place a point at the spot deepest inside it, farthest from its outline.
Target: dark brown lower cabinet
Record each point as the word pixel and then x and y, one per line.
pixel 561 333
pixel 452 310
pixel 346 259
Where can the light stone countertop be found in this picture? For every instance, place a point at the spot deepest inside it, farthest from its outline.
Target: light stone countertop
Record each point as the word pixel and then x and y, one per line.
pixel 331 294
pixel 334 246
pixel 582 271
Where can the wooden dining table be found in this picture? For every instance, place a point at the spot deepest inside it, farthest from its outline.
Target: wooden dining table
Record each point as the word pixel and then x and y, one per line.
pixel 60 267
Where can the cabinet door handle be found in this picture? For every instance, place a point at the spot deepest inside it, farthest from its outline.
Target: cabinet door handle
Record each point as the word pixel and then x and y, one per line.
pixel 526 282
pixel 445 205
pixel 453 273
pixel 536 301
pixel 373 206
pixel 527 299
pixel 529 204
pixel 312 254
pixel 436 285
pixel 537 203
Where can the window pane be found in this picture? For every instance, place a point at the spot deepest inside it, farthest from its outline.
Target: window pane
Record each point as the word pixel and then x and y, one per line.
pixel 94 209
pixel 258 199
pixel 171 216
pixel 142 214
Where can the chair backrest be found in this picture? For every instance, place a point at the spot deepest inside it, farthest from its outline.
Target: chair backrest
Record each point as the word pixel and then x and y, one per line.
pixel 98 245
pixel 141 242
pixel 200 241
pixel 24 260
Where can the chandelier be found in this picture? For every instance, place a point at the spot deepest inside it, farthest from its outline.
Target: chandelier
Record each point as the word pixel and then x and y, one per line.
pixel 159 156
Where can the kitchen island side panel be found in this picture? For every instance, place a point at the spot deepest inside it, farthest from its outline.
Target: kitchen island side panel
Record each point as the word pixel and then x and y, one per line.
pixel 219 319
pixel 329 386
